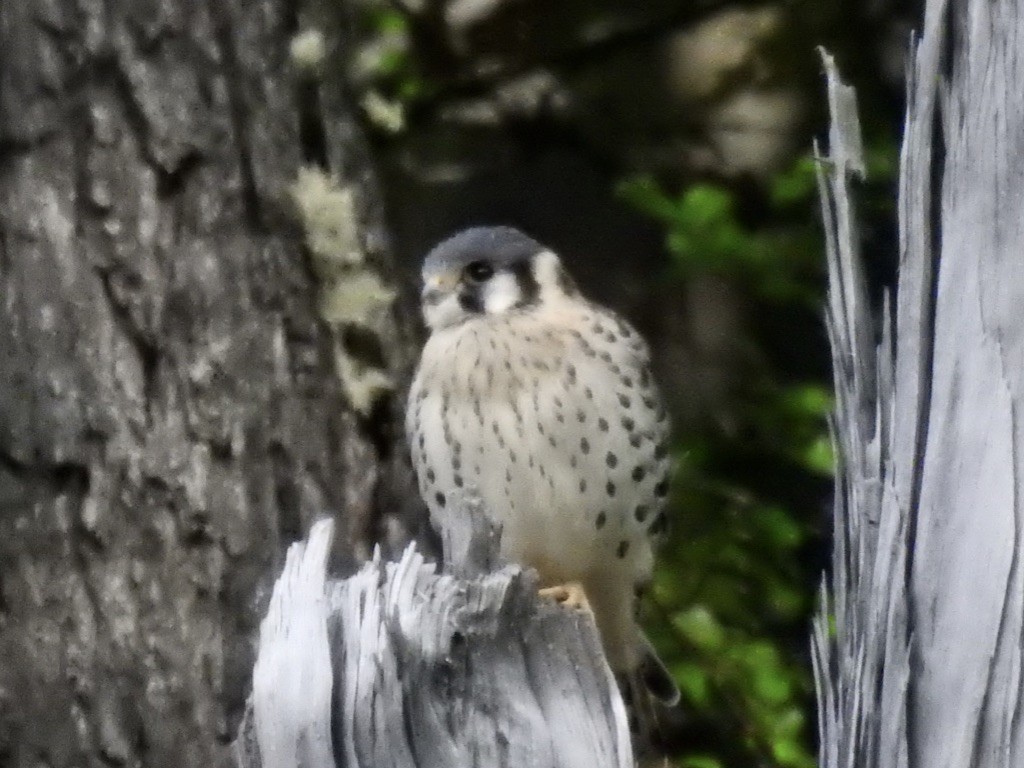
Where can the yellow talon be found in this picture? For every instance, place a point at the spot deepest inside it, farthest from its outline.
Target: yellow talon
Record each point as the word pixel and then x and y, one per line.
pixel 571 594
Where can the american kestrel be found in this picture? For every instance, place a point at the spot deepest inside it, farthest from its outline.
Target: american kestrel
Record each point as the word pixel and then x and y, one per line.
pixel 543 402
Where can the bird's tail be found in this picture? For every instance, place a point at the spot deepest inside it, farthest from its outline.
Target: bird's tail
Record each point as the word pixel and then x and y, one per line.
pixel 655 676
pixel 647 689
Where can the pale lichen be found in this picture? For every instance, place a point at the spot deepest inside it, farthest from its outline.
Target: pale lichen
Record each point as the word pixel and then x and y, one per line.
pixel 351 293
pixel 308 50
pixel 364 384
pixel 355 299
pixel 386 114
pixel 328 217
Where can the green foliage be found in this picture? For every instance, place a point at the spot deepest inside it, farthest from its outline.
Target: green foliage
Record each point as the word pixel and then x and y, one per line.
pixel 734 588
pixel 736 583
pixel 706 235
pixel 729 583
pixel 394 69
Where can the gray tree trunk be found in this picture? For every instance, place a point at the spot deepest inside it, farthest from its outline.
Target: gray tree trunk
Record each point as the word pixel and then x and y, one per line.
pixel 924 669
pixel 170 410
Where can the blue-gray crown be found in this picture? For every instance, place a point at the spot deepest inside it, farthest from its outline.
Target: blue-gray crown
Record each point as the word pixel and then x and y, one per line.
pixel 499 246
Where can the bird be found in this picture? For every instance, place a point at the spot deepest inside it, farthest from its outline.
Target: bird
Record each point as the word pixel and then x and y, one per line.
pixel 542 402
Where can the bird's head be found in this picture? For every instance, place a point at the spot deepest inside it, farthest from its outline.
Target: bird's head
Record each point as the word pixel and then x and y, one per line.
pixel 489 271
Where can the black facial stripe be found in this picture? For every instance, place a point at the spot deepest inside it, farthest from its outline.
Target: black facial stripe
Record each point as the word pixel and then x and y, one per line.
pixel 566 283
pixel 470 301
pixel 529 290
pixel 432 297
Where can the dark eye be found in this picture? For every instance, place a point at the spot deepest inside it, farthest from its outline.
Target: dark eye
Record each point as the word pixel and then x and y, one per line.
pixel 479 271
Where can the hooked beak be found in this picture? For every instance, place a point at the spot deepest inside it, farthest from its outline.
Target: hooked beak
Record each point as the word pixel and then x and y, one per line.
pixel 435 288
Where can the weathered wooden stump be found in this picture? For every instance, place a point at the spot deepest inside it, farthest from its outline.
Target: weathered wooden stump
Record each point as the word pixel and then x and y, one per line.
pixel 920 663
pixel 406 664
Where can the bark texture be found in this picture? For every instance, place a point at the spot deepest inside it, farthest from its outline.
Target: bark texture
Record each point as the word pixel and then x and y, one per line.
pixel 927 583
pixel 170 413
pixel 410 667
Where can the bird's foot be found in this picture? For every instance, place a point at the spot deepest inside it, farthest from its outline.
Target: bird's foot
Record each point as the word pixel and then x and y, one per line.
pixel 570 594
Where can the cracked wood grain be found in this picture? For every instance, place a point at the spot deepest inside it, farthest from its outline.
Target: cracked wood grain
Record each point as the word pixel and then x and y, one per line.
pixel 927 587
pixel 412 666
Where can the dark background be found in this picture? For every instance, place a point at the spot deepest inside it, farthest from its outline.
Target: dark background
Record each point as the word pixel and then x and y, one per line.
pixel 179 401
pixel 664 150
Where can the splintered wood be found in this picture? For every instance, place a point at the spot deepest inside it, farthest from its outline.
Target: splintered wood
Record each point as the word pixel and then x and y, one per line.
pixel 412 666
pixel 922 666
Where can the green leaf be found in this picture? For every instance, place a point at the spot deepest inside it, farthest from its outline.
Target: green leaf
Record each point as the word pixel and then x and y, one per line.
pixel 789 723
pixel 700 761
pixel 779 527
pixel 820 457
pixel 810 400
pixel 391 62
pixel 787 601
pixel 647 196
pixel 796 185
pixel 700 627
pixel 684 246
pixel 388 21
pixel 791 753
pixel 772 685
pixel 704 206
pixel 693 682
pixel 760 654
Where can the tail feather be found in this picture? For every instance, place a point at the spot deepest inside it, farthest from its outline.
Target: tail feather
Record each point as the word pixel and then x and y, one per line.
pixel 655 676
pixel 646 690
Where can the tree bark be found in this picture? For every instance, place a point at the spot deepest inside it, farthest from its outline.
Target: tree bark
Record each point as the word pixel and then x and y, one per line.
pixel 928 592
pixel 170 410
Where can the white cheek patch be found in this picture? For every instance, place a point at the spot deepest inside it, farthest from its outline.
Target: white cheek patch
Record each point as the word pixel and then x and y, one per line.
pixel 501 293
pixel 445 313
pixel 546 270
